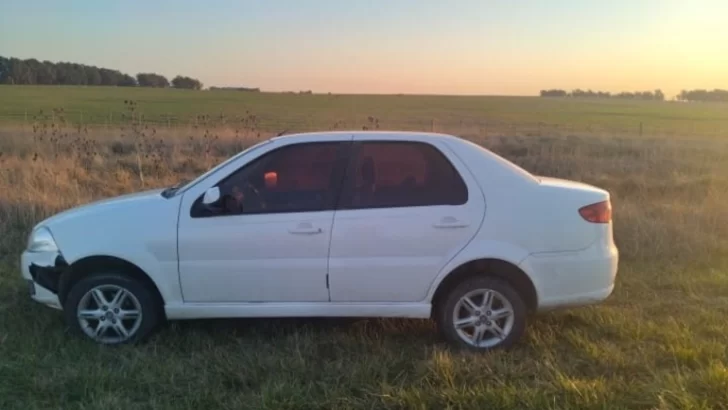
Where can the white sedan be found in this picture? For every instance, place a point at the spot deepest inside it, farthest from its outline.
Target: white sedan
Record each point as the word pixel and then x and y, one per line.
pixel 340 224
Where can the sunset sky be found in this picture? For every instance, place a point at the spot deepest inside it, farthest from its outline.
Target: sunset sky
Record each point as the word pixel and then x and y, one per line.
pixel 387 46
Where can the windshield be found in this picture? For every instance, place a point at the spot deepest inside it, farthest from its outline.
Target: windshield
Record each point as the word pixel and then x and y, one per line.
pixel 185 185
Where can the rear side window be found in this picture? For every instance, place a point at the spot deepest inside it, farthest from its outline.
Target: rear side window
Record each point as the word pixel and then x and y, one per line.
pixel 386 174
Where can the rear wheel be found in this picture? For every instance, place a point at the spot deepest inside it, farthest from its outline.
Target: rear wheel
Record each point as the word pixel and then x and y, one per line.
pixel 111 308
pixel 482 313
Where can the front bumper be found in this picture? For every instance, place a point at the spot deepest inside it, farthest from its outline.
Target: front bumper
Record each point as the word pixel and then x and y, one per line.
pixel 42 271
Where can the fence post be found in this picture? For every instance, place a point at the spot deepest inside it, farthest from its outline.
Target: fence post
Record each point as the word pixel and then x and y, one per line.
pixel 432 125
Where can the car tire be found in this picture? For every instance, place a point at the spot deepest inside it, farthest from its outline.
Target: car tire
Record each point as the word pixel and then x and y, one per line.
pixel 468 320
pixel 112 308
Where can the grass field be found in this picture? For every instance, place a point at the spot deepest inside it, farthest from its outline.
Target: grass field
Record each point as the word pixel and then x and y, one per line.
pixel 278 112
pixel 658 343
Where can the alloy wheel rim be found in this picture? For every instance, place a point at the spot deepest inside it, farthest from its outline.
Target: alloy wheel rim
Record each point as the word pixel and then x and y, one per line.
pixel 483 318
pixel 109 314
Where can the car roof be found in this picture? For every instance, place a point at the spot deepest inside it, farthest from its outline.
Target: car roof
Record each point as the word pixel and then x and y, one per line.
pixel 389 135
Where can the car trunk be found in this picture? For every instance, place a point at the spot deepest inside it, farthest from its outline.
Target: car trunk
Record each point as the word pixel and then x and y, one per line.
pixel 559 203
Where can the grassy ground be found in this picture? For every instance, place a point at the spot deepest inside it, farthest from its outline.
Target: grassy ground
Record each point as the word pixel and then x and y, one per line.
pixel 276 112
pixel 658 342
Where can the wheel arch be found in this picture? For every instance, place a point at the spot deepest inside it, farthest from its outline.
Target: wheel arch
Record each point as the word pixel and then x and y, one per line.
pixel 490 267
pixel 89 265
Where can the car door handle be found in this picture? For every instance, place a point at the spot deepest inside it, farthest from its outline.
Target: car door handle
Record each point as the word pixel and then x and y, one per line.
pixel 305 229
pixel 450 222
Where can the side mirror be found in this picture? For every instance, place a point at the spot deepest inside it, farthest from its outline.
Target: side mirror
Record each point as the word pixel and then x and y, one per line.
pixel 211 196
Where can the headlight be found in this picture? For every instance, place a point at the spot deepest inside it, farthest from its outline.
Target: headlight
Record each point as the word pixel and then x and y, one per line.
pixel 41 240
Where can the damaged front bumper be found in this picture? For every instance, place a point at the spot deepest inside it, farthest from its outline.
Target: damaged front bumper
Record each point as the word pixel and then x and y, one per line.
pixel 42 271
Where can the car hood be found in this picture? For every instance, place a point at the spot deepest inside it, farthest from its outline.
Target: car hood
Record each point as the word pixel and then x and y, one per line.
pixel 115 203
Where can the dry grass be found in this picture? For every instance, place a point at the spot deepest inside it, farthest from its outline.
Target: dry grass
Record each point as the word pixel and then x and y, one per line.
pixel 657 343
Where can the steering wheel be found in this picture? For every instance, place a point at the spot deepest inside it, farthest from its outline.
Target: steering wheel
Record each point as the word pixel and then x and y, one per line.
pixel 250 192
pixel 240 198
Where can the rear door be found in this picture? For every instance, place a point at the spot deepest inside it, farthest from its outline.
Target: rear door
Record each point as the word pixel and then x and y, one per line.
pixel 406 208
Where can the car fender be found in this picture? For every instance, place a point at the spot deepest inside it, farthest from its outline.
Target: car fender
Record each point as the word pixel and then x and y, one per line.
pixel 143 233
pixel 484 249
pixel 162 273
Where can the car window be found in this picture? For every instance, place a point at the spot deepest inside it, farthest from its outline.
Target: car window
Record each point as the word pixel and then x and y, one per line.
pixel 297 178
pixel 387 174
pixel 183 188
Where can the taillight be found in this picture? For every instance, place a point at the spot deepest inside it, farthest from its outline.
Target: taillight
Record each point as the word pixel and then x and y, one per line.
pixel 599 213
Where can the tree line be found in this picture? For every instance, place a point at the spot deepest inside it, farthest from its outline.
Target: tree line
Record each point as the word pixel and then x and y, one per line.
pixel 656 95
pixel 703 95
pixel 32 71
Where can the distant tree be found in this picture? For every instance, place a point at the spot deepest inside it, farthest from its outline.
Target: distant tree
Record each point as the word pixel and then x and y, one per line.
pixel 186 82
pixel 152 80
pixel 720 95
pixel 45 73
pixel 32 71
pixel 20 73
pixel 71 74
pixel 703 95
pixel 115 78
pixel 4 69
pixel 109 77
pixel 553 93
pixel 33 67
pixel 579 93
pixel 63 73
pixel 127 81
pixel 93 75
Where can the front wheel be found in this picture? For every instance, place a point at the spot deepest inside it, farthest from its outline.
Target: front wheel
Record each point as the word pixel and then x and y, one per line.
pixel 481 314
pixel 111 309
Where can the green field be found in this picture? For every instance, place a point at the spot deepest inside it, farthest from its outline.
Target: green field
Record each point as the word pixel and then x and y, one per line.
pixel 300 112
pixel 659 342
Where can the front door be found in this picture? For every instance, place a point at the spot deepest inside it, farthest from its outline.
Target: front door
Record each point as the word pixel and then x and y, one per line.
pixel 406 209
pixel 267 238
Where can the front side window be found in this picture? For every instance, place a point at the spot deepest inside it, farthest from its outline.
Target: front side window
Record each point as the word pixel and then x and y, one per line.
pixel 401 174
pixel 296 178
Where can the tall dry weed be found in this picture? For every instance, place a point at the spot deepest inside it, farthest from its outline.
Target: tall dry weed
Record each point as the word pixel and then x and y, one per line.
pixel 669 195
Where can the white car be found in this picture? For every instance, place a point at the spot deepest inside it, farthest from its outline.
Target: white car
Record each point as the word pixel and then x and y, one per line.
pixel 341 224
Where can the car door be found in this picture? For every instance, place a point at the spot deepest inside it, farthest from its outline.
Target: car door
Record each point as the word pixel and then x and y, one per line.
pixel 406 208
pixel 267 238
